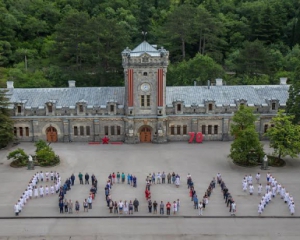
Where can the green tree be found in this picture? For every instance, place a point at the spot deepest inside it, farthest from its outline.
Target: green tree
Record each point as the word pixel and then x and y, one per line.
pixel 20 158
pixel 293 102
pixel 200 69
pixel 6 124
pixel 246 140
pixel 284 136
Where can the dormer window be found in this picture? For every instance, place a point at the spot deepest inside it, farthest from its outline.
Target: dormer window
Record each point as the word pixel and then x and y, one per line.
pixel 81 110
pixel 50 108
pixel 112 108
pixel 145 73
pixel 179 107
pixel 273 106
pixel 210 107
pixel 19 109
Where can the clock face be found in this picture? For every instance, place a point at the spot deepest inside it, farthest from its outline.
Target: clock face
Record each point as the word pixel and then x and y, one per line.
pixel 145 87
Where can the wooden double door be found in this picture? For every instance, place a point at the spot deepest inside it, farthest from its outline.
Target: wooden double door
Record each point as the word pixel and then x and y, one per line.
pixel 51 133
pixel 145 135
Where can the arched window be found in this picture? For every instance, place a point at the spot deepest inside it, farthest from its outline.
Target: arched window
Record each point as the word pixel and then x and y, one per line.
pixel 21 131
pixel 81 130
pixel 216 129
pixel 184 130
pixel 75 131
pixel 27 131
pixel 88 130
pixel 203 129
pixel 209 129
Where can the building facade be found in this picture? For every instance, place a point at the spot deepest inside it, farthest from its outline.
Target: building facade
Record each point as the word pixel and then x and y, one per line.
pixel 144 110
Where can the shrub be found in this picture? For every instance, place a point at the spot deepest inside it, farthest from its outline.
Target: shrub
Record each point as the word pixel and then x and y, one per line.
pixel 20 158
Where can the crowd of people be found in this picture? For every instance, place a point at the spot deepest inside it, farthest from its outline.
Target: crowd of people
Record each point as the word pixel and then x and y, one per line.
pixel 32 190
pixel 160 178
pixel 121 207
pixel 199 204
pixel 227 195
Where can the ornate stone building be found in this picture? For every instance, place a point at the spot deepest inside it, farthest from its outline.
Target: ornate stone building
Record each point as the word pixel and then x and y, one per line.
pixel 145 110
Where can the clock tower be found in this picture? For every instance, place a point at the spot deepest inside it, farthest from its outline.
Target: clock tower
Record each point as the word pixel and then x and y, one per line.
pixel 145 69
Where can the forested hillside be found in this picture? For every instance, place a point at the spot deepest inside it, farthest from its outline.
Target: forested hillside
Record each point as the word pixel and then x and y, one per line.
pixel 44 43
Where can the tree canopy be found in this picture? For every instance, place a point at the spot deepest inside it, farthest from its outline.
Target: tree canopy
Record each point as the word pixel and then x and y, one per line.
pixel 6 125
pixel 44 43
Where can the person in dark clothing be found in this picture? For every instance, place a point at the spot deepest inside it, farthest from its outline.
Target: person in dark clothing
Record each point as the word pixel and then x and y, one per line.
pixel 61 206
pixel 73 179
pixel 80 178
pixel 87 177
pixel 93 179
pixel 136 205
pixel 150 206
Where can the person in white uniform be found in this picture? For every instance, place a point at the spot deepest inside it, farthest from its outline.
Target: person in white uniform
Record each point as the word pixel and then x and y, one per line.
pixel 16 208
pixel 52 190
pixel 259 189
pixel 251 189
pixel 245 185
pixel 233 208
pixel 257 177
pixel 286 197
pixel 250 179
pixel 41 191
pixel 177 181
pixel 36 192
pixel 292 208
pixel 278 188
pixel 200 208
pixel 46 190
pixel 174 207
pixel 260 208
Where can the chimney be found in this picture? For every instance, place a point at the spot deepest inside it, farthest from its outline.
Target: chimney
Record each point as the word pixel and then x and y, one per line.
pixel 208 84
pixel 219 82
pixel 283 81
pixel 71 83
pixel 10 84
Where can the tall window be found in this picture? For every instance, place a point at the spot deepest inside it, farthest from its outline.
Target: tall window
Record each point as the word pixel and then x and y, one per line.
pixel 266 128
pixel 106 130
pixel 75 131
pixel 184 130
pixel 210 107
pixel 27 131
pixel 203 129
pixel 273 106
pixel 178 129
pixel 112 108
pixel 172 130
pixel 216 129
pixel 19 109
pixel 81 130
pixel 50 109
pixel 88 130
pixel 142 100
pixel 15 131
pixel 148 100
pixel 209 129
pixel 112 130
pixel 118 130
pixel 81 108
pixel 179 107
pixel 21 131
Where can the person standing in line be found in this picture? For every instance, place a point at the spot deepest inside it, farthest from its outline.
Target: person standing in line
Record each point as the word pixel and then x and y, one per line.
pixel 47 176
pixel 134 179
pixel 41 191
pixel 251 189
pixel 130 207
pixel 154 207
pixel 158 177
pixel 51 176
pixel 200 208
pixel 118 177
pixel 260 209
pixel 85 206
pixel 162 208
pixel 66 205
pixel 110 205
pixel 36 192
pixel 177 181
pixel 136 205
pixel 174 207
pixel 113 176
pixel 41 176
pixel 178 205
pixel 121 205
pixel 20 206
pixel 90 201
pixel 87 177
pixel 70 206
pixel 128 179
pixel 125 207
pixel 72 179
pixel 168 206
pixel 116 207
pixel 163 178
pixel 77 207
pixel 150 206
pixel 46 190
pixel 52 190
pixel 169 178
pixel 80 176
pixel 292 208
pixel 259 189
pixel 61 206
pixel 257 177
pixel 123 177
pixel 233 208
pixel 195 201
pixel 16 208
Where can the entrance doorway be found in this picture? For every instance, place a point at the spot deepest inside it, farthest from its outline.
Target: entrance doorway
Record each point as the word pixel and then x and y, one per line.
pixel 51 133
pixel 145 134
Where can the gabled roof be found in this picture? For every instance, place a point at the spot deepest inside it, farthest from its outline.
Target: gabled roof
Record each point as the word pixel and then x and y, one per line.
pixel 143 48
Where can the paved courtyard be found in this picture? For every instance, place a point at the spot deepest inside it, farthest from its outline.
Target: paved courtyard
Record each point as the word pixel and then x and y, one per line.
pixel 203 161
